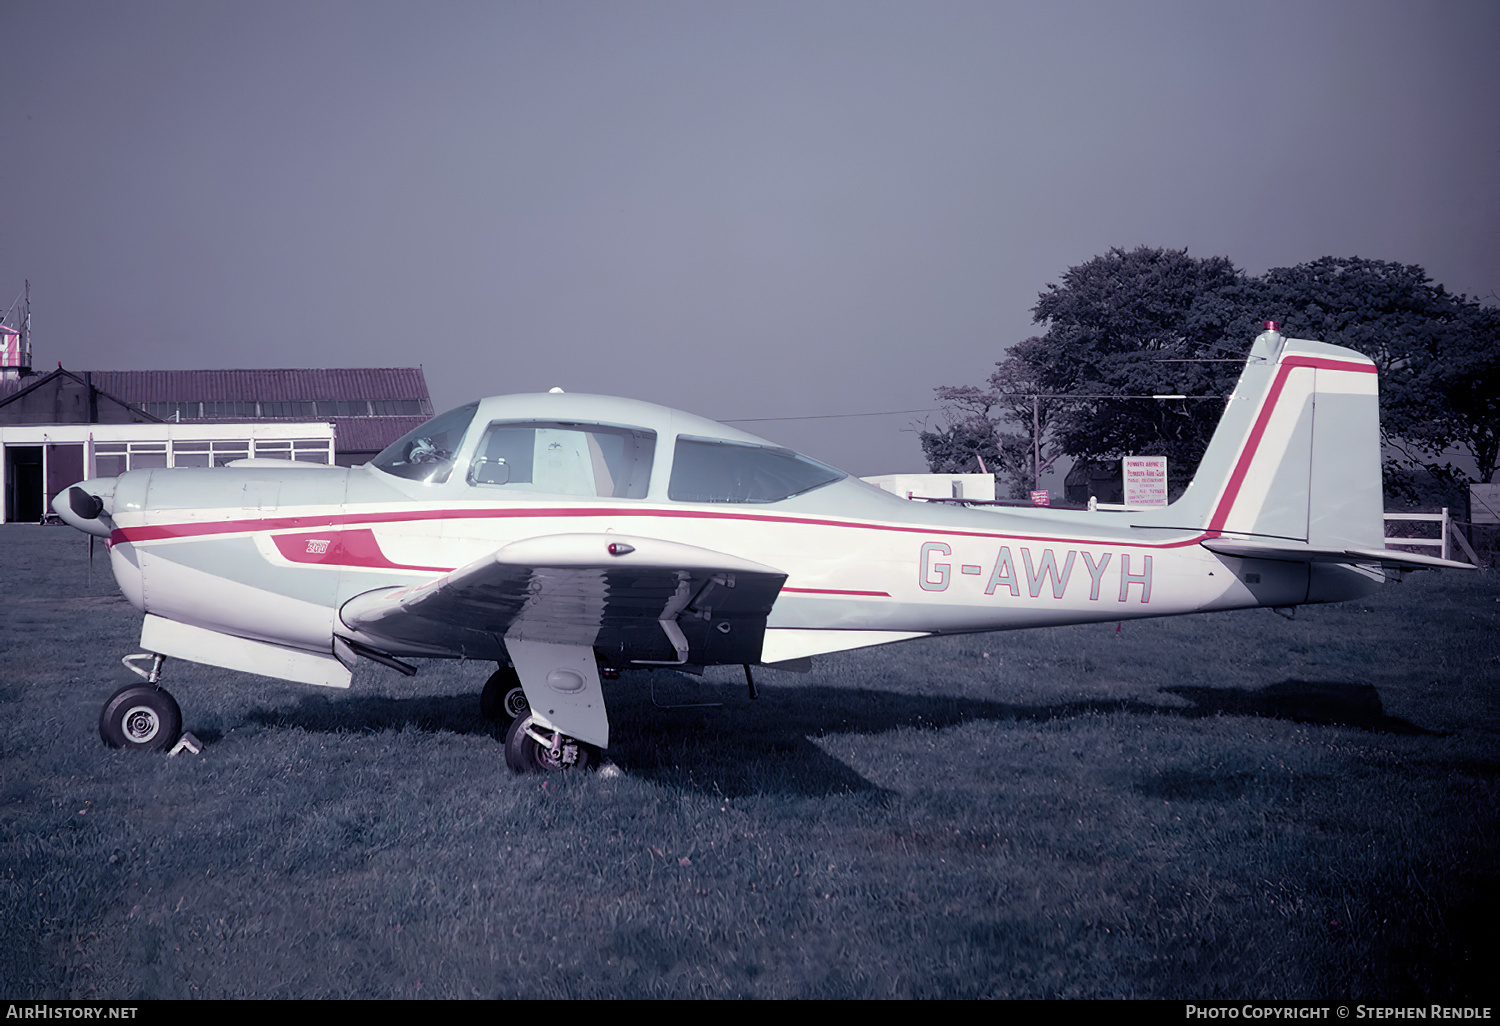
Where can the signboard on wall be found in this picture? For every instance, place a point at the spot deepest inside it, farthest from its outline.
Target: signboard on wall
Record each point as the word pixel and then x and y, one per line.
pixel 1145 480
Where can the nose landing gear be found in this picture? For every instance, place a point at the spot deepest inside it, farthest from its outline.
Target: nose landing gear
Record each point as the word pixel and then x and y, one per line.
pixel 141 717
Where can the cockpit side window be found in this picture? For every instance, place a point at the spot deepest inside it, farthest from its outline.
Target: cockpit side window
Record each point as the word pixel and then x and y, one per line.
pixel 714 470
pixel 565 458
pixel 426 454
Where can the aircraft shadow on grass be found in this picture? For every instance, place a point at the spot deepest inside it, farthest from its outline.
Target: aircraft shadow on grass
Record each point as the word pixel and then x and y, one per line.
pixel 710 736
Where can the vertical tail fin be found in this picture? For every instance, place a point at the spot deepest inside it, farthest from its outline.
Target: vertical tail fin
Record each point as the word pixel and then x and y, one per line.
pixel 1296 456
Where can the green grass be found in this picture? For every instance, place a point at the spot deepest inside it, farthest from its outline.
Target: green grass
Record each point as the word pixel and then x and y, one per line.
pixel 1149 812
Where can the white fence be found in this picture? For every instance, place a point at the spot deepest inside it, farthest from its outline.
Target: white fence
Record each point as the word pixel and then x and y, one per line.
pixel 1448 532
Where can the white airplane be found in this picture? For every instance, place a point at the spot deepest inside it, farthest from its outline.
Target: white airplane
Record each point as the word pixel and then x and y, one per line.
pixel 569 536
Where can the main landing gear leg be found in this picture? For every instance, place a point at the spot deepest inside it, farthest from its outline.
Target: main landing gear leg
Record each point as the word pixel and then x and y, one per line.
pixel 564 724
pixel 530 748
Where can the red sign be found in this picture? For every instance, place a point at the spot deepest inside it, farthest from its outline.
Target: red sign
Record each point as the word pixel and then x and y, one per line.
pixel 1041 498
pixel 10 347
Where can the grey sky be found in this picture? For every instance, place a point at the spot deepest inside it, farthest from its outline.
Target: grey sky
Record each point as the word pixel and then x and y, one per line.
pixel 741 209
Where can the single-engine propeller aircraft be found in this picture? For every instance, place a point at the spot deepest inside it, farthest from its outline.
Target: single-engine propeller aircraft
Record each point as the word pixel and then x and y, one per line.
pixel 564 536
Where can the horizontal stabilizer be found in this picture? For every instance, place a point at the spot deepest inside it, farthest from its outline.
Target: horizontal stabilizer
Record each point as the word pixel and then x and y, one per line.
pixel 1294 553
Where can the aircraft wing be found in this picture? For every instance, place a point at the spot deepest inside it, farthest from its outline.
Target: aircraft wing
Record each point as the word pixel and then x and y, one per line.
pixel 640 599
pixel 1292 552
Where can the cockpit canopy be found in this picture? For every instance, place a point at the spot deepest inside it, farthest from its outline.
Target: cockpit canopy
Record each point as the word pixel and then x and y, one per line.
pixel 564 456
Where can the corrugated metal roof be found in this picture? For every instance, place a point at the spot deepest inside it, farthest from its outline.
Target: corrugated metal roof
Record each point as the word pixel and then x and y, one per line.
pixel 145 386
pixel 353 434
pixel 371 434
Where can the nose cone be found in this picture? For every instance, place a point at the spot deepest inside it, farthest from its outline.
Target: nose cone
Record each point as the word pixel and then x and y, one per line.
pixel 87 506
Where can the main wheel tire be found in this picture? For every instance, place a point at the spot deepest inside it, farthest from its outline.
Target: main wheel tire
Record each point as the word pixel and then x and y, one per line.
pixel 524 754
pixel 142 717
pixel 502 698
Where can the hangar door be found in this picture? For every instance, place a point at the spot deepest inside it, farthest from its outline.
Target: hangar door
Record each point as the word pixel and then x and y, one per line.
pixel 36 473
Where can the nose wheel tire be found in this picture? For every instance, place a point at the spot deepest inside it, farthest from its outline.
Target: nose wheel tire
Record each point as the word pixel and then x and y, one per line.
pixel 530 749
pixel 502 698
pixel 142 717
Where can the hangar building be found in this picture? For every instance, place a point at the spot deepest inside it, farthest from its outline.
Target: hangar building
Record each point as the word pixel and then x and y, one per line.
pixel 63 426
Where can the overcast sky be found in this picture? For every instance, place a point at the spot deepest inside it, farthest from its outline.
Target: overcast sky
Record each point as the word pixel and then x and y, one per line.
pixel 741 209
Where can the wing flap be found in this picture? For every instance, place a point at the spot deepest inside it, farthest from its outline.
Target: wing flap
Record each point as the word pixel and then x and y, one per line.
pixel 789 644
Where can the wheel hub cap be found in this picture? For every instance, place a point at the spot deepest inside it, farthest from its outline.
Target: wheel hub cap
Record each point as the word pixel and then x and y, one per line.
pixel 141 724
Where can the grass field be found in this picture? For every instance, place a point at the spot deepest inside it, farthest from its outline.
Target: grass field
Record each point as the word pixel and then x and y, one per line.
pixel 1233 806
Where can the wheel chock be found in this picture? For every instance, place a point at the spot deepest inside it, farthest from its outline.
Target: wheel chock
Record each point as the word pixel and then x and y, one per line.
pixel 187 743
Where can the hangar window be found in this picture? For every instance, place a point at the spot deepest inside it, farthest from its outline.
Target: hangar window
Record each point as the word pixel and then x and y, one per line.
pixel 114 458
pixel 426 453
pixel 565 458
pixel 713 470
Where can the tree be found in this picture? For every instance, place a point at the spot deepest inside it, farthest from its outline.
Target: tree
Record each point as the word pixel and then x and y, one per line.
pixel 1034 443
pixel 1469 379
pixel 1119 327
pixel 1005 430
pixel 1130 325
pixel 1447 401
pixel 1127 326
pixel 1438 355
pixel 968 443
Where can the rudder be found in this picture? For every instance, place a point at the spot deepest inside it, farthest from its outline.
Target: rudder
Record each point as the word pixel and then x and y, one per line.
pixel 1296 455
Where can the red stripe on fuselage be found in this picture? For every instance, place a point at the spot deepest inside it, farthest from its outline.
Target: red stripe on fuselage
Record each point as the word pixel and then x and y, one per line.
pixel 162 532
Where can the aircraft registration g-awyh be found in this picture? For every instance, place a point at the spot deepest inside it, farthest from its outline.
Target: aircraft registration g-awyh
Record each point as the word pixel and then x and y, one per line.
pixel 566 537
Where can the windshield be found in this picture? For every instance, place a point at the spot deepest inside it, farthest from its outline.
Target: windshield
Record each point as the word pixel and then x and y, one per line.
pixel 426 454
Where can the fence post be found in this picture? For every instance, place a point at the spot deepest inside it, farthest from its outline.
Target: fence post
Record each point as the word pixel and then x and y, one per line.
pixel 1444 535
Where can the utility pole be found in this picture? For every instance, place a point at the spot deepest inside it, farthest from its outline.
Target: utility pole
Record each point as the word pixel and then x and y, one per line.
pixel 1036 439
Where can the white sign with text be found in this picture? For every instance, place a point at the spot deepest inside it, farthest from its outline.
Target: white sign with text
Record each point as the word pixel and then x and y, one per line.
pixel 1145 480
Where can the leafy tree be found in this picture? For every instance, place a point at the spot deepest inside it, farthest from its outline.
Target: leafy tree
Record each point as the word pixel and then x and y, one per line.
pixel 967 444
pixel 1387 311
pixel 1132 325
pixel 978 438
pixel 1129 325
pixel 1447 399
pixel 1119 327
pixel 1024 404
pixel 1438 356
pixel 1469 379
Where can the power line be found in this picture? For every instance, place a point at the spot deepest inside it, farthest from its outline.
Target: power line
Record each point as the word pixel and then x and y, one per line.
pixel 940 409
pixel 829 416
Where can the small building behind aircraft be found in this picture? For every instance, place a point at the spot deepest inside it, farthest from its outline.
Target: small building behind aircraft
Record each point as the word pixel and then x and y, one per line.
pixel 63 426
